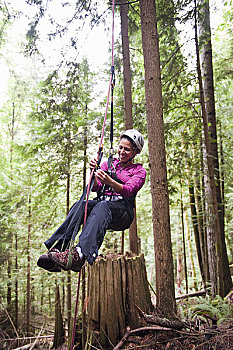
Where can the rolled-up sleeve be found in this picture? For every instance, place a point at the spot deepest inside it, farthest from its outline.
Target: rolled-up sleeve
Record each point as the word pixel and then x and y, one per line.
pixel 135 182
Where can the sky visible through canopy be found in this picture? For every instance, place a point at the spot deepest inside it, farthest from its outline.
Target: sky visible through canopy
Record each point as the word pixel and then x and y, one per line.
pixel 95 43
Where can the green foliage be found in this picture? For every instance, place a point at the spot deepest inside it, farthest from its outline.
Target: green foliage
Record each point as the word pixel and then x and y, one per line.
pixel 75 14
pixel 38 167
pixel 215 310
pixel 5 21
pixel 46 146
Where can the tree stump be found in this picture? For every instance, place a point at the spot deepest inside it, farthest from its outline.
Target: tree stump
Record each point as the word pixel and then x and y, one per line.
pixel 115 285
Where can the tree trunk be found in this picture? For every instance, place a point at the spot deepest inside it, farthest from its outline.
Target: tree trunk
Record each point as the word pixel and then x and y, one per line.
pixel 195 229
pixel 210 165
pixel 83 273
pixel 208 90
pixel 126 66
pixel 191 260
pixel 157 158
pixel 179 263
pixel 16 283
pixel 42 296
pixel 116 285
pixel 59 334
pixel 199 174
pixel 133 236
pixel 183 242
pixel 9 262
pixel 16 250
pixel 9 283
pixel 69 306
pixel 50 302
pixel 210 231
pixel 194 218
pixel 222 176
pixel 63 294
pixel 29 267
pixel 68 292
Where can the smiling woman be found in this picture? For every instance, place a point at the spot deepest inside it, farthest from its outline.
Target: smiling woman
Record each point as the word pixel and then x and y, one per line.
pixel 112 209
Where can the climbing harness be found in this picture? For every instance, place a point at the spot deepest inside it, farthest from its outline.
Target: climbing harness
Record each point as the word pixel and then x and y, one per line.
pixel 92 177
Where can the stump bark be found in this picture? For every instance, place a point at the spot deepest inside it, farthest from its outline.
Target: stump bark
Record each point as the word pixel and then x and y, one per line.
pixel 116 285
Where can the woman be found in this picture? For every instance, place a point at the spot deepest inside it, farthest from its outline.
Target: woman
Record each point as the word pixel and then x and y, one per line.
pixel 112 209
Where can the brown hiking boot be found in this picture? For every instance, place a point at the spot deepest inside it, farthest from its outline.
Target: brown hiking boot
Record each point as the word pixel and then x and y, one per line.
pixel 61 259
pixel 46 263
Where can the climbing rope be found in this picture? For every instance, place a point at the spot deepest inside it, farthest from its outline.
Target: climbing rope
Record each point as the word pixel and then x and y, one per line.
pixel 110 88
pixel 99 156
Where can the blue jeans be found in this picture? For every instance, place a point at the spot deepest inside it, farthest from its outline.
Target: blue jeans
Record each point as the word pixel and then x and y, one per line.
pixel 101 216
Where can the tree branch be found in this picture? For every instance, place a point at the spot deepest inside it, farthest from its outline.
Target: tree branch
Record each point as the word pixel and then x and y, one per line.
pixel 138 330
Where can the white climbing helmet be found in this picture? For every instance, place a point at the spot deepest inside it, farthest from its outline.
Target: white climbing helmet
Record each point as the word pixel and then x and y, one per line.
pixel 136 137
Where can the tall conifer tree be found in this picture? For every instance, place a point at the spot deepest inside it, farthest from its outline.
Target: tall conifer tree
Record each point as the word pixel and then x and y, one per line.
pixel 165 291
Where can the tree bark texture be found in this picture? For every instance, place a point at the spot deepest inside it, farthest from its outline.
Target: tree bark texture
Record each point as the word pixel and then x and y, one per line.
pixel 194 217
pixel 83 272
pixel 133 236
pixel 68 292
pixel 222 175
pixel 183 242
pixel 210 231
pixel 179 263
pixel 157 161
pixel 198 180
pixel 210 166
pixel 42 296
pixel 208 90
pixel 196 229
pixel 59 329
pixel 115 285
pixel 29 266
pixel 190 251
pixel 9 283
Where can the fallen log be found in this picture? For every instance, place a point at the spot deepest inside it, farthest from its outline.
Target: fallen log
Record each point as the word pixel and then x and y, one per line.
pixel 30 346
pixel 28 338
pixel 164 322
pixel 24 347
pixel 191 295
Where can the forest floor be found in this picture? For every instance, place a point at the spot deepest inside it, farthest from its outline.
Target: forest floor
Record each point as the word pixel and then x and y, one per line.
pixel 219 338
pixel 203 333
pixel 207 338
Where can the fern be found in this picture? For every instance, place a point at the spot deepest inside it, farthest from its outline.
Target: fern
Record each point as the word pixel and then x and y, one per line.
pixel 204 309
pixel 217 309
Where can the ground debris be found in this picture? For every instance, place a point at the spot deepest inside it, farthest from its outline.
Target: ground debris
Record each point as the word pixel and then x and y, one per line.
pixel 217 338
